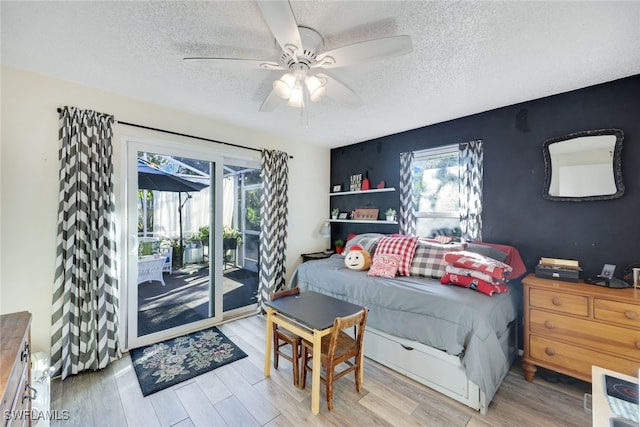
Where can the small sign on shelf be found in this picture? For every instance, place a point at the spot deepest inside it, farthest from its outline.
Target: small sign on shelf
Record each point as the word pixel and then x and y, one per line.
pixel 365 214
pixel 355 182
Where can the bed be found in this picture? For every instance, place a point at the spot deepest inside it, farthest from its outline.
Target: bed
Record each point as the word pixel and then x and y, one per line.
pixel 449 338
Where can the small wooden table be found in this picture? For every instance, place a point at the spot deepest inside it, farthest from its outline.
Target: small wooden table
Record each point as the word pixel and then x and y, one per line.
pixel 310 315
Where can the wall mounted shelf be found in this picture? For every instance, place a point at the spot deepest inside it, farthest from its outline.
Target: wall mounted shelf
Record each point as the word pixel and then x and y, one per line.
pixel 373 190
pixel 362 221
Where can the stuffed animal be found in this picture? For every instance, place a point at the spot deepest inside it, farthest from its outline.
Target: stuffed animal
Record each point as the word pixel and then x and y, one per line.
pixel 357 259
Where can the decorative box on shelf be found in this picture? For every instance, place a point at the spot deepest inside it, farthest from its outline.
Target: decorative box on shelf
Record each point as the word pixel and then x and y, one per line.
pixel 567 270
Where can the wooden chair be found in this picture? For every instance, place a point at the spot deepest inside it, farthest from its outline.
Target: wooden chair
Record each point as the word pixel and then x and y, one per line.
pixel 283 337
pixel 337 348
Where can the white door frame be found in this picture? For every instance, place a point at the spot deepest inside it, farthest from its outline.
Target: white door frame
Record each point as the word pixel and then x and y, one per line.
pixel 129 290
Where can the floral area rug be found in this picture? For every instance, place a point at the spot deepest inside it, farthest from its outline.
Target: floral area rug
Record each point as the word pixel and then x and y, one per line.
pixel 170 362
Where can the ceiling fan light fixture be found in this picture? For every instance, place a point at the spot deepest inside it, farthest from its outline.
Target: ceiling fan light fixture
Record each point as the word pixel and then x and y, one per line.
pixel 316 87
pixel 284 85
pixel 297 97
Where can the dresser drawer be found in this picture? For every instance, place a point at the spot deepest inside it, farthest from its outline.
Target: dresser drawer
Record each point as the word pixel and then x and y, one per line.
pixel 20 404
pixel 560 302
pixel 575 361
pixel 617 312
pixel 586 333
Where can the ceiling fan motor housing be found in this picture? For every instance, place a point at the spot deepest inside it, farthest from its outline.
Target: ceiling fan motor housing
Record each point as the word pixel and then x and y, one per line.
pixel 312 42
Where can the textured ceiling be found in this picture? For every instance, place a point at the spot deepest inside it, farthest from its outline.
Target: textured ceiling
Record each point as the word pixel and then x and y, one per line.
pixel 467 57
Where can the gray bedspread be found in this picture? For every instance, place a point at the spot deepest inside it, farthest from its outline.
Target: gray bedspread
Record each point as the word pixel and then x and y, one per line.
pixel 457 320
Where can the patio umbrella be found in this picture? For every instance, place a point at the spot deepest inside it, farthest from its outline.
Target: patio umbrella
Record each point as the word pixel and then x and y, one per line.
pixel 152 178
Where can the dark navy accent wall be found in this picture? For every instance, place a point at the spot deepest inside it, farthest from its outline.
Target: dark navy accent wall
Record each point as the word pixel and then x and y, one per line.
pixel 514 211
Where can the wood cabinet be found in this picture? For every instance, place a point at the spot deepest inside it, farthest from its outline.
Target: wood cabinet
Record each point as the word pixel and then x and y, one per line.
pixel 570 327
pixel 15 375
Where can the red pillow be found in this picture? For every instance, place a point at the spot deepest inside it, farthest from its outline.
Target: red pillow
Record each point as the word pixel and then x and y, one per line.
pixel 404 246
pixel 452 269
pixel 473 283
pixel 474 261
pixel 384 265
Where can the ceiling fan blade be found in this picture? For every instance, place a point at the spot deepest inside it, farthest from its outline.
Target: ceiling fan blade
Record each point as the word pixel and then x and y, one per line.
pixel 358 53
pixel 340 92
pixel 237 63
pixel 271 102
pixel 282 23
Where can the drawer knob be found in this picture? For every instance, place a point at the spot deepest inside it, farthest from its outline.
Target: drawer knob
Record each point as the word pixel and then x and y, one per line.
pixel 631 315
pixel 550 351
pixel 548 324
pixel 406 347
pixel 556 301
pixel 638 345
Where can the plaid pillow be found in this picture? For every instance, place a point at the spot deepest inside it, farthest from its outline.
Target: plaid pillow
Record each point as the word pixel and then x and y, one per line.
pixel 428 259
pixel 404 246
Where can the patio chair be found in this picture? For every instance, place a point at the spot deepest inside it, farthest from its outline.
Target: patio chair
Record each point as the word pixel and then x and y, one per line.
pixel 150 269
pixel 167 253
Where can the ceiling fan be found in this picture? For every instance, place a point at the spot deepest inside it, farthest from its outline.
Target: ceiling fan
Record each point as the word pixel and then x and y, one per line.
pixel 305 63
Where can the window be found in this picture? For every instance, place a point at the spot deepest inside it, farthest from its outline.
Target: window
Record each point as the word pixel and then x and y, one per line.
pixel 436 186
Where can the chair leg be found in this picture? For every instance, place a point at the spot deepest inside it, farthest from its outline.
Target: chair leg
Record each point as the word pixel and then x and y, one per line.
pixel 275 351
pixel 295 356
pixel 329 386
pixel 303 377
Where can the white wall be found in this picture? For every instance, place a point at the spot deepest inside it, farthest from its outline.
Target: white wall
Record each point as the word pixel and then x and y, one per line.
pixel 29 180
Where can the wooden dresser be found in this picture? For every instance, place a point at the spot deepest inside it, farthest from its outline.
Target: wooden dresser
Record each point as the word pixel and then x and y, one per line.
pixel 569 327
pixel 15 375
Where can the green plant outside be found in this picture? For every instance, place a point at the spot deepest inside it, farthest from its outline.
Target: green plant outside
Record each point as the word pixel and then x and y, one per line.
pixel 231 233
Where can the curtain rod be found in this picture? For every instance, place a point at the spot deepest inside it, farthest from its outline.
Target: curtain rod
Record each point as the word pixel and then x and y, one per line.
pixel 185 134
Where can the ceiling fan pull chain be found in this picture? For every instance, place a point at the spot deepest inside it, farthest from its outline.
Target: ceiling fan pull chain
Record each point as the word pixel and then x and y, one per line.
pixel 304 113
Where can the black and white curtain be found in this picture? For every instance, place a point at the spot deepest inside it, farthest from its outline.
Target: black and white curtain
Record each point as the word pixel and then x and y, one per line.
pixel 84 331
pixel 407 213
pixel 471 171
pixel 273 223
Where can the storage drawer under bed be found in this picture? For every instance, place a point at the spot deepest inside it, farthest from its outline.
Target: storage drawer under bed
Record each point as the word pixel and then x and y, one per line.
pixel 433 367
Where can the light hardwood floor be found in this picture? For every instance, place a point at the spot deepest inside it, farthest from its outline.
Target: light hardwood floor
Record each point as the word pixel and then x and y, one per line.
pixel 238 394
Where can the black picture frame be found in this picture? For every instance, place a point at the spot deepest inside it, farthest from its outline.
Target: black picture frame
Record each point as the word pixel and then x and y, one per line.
pixel 355 182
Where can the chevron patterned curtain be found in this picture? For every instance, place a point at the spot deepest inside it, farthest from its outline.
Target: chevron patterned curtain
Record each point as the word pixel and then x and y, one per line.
pixel 471 170
pixel 273 224
pixel 84 331
pixel 407 214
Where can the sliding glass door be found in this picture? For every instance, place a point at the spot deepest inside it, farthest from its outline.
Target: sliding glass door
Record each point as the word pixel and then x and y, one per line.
pixel 174 263
pixel 241 231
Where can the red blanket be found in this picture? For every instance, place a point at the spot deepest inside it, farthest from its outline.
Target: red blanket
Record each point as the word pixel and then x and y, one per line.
pixel 513 258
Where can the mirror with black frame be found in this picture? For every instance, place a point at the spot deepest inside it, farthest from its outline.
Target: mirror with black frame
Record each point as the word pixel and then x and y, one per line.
pixel 584 166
